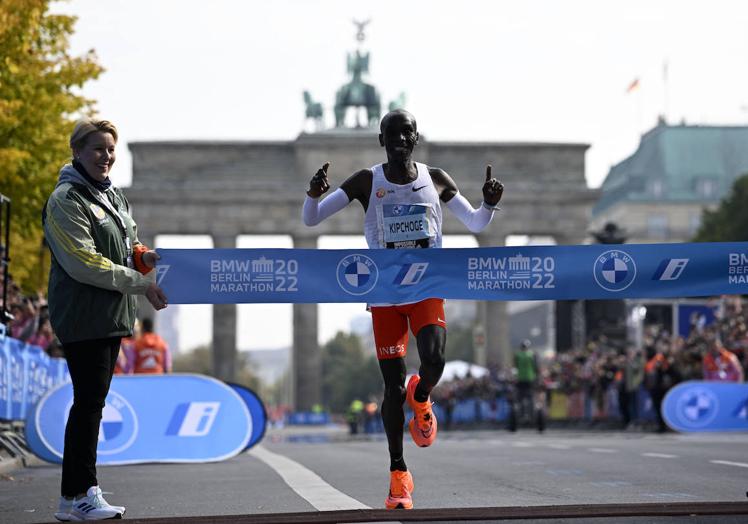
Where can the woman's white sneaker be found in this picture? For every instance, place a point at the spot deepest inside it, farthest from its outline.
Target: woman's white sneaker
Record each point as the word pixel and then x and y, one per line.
pixel 91 507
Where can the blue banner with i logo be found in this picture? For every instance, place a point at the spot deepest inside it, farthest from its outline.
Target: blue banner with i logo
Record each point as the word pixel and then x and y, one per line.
pixel 151 418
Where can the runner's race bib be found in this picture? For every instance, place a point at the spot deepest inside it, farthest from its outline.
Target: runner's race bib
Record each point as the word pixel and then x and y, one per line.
pixel 407 226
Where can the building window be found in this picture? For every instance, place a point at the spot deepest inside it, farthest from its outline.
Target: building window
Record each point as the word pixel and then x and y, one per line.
pixel 656 188
pixel 657 226
pixel 706 187
pixel 694 223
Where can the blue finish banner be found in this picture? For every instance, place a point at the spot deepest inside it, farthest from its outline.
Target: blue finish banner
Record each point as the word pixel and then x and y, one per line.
pixel 150 418
pixel 698 406
pixel 231 276
pixel 256 410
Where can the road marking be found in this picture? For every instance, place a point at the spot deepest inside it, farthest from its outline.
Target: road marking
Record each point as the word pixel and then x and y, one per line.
pixel 559 446
pixel 563 472
pixel 602 450
pixel 611 483
pixel 659 455
pixel 669 495
pixel 728 463
pixel 307 484
pixel 522 444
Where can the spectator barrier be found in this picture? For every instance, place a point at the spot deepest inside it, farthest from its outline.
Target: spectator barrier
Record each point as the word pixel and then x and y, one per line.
pixel 26 374
pixel 307 418
pixel 471 411
pixel 583 406
pixel 577 406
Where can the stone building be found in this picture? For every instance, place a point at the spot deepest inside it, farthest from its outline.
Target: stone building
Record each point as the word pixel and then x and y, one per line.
pixel 658 193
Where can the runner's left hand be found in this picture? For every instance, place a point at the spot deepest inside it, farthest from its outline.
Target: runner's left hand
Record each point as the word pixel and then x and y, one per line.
pixel 492 189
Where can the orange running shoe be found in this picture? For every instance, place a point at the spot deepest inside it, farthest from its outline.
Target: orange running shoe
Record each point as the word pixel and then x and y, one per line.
pixel 423 424
pixel 401 490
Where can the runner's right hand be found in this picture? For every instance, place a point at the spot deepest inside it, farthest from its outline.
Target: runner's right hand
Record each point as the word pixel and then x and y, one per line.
pixel 319 185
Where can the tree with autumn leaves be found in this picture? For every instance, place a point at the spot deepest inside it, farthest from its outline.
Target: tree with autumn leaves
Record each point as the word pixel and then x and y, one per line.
pixel 40 99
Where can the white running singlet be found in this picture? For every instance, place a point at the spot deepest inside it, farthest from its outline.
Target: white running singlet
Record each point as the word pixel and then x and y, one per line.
pixel 403 216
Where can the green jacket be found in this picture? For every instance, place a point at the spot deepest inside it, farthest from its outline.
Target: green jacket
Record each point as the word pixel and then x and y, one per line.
pixel 527 366
pixel 91 287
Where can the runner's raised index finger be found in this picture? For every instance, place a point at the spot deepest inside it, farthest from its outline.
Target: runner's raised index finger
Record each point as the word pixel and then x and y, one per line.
pixel 488 172
pixel 325 166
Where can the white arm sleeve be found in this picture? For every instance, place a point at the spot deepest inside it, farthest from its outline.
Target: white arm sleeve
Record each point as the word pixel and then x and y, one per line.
pixel 315 211
pixel 474 219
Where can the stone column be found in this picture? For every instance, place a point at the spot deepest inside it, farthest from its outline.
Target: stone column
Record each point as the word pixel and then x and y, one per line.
pixel 224 325
pixel 145 309
pixel 570 321
pixel 495 319
pixel 306 362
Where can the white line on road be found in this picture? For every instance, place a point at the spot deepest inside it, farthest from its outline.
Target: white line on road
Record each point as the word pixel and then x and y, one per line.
pixel 602 450
pixel 307 484
pixel 659 455
pixel 728 463
pixel 559 446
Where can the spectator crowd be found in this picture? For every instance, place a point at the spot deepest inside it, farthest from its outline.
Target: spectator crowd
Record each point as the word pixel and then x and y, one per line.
pixel 603 381
pixel 29 319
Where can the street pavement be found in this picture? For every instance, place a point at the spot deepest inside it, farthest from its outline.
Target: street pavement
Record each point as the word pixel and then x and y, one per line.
pixel 323 469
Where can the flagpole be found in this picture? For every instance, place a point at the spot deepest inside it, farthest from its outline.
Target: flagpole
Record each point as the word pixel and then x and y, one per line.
pixel 634 90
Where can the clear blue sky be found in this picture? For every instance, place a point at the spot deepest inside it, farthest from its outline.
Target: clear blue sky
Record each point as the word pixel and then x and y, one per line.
pixel 537 70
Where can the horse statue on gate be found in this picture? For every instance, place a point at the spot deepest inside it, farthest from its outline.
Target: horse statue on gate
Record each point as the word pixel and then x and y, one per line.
pixel 313 110
pixel 358 93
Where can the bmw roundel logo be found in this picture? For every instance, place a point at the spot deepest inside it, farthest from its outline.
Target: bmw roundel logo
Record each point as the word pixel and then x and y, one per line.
pixel 696 407
pixel 357 274
pixel 119 425
pixel 614 270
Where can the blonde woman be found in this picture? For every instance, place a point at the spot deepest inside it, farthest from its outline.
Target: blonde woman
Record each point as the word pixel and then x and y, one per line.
pixel 98 266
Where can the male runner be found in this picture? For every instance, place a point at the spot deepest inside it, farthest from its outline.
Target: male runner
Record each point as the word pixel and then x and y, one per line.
pixel 402 190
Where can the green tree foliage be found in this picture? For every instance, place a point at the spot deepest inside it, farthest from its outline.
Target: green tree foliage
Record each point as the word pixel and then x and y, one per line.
pixel 460 343
pixel 200 360
pixel 40 100
pixel 729 222
pixel 348 372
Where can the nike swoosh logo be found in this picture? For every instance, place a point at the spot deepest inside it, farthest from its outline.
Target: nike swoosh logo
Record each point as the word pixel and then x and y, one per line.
pixel 426 432
pixel 414 189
